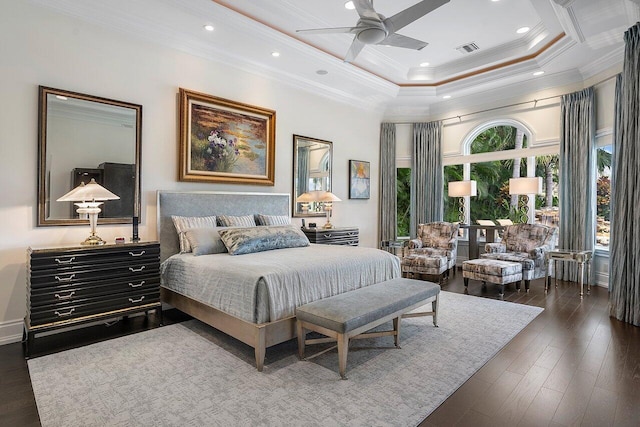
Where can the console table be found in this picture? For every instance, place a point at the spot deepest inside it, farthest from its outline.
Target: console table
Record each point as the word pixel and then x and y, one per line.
pixel 583 258
pixel 333 236
pixel 78 284
pixel 490 234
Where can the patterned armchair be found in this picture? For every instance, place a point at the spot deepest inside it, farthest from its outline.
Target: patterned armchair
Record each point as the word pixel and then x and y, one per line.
pixel 436 238
pixel 526 244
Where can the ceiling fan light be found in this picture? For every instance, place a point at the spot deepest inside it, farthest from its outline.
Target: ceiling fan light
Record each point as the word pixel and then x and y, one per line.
pixel 372 35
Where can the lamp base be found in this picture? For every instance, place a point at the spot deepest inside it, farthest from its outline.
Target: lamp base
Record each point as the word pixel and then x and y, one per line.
pixel 93 240
pixel 327 226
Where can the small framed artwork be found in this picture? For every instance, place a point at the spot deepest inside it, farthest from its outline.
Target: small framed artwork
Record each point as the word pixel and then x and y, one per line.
pixel 225 141
pixel 359 177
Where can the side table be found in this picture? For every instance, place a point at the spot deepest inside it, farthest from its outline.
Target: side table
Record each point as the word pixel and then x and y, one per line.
pixel 583 258
pixel 395 247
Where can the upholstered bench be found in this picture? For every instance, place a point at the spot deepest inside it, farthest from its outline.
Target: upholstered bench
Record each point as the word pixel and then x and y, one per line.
pixel 493 271
pixel 431 265
pixel 350 314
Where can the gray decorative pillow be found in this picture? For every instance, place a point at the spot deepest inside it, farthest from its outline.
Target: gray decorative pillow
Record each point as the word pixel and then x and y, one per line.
pixel 236 221
pixel 258 239
pixel 184 223
pixel 205 241
pixel 273 219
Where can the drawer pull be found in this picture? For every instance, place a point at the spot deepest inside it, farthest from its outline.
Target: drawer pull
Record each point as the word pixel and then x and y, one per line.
pixel 69 261
pixel 353 233
pixel 71 294
pixel 136 286
pixel 136 270
pixel 133 301
pixel 65 279
pixel 328 236
pixel 68 313
pixel 140 254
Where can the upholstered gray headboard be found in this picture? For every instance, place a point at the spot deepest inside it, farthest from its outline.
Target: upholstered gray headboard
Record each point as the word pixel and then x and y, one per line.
pixel 205 203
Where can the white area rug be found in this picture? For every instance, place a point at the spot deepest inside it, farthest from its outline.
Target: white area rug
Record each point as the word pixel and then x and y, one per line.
pixel 191 375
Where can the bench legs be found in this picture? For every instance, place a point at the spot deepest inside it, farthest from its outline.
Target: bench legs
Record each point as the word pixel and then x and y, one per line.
pixel 342 339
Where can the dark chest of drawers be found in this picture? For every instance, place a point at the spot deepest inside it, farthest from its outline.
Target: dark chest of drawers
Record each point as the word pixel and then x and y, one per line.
pixel 333 236
pixel 78 284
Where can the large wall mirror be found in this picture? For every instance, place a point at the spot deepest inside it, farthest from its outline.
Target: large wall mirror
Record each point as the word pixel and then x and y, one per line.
pixel 83 137
pixel 312 162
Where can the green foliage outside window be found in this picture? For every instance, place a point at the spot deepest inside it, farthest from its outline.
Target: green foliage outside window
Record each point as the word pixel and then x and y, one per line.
pixel 403 197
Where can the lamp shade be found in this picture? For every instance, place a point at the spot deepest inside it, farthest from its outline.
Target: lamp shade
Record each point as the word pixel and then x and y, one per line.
pixel 88 192
pixel 463 188
pixel 523 186
pixel 305 198
pixel 327 196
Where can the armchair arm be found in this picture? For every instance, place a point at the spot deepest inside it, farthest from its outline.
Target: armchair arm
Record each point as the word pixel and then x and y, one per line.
pixel 495 248
pixel 414 244
pixel 452 244
pixel 540 251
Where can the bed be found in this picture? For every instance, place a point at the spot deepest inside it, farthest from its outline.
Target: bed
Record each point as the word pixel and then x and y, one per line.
pixel 252 297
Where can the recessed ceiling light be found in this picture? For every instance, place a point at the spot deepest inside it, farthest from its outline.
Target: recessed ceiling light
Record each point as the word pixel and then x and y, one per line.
pixel 523 30
pixel 275 54
pixel 208 27
pixel 446 97
pixel 495 0
pixel 61 98
pixel 538 73
pixel 322 72
pixel 349 5
pixel 424 64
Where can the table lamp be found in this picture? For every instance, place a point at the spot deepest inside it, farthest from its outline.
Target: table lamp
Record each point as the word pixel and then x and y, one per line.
pixel 88 198
pixel 304 199
pixel 327 198
pixel 524 187
pixel 462 189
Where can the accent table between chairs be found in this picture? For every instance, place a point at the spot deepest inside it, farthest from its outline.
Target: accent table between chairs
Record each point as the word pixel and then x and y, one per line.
pixel 583 258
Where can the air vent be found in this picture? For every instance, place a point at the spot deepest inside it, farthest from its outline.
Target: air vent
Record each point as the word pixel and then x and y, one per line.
pixel 467 48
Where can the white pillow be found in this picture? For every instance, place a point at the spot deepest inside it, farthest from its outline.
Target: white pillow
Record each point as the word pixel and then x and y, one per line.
pixel 205 241
pixel 184 223
pixel 273 219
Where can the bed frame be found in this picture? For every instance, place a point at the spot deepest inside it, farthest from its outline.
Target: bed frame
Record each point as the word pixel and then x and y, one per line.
pixel 258 336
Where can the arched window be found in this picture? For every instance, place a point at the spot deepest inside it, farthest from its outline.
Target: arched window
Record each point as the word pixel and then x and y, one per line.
pixel 493 153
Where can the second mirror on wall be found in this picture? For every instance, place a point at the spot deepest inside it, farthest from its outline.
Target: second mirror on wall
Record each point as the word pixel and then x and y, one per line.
pixel 312 163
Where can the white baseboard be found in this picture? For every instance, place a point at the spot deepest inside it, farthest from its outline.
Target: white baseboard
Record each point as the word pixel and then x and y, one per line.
pixel 11 331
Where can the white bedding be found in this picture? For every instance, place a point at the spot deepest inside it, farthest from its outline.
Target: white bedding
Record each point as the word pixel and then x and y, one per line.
pixel 268 286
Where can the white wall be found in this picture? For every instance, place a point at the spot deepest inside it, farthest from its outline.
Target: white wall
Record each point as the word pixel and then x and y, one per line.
pixel 42 48
pixel 542 118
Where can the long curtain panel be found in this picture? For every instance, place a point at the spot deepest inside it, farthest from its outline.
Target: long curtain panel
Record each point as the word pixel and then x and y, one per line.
pixel 388 186
pixel 624 250
pixel 426 175
pixel 577 176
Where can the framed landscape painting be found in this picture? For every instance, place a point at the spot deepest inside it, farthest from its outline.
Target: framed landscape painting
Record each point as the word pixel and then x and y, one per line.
pixel 225 141
pixel 359 177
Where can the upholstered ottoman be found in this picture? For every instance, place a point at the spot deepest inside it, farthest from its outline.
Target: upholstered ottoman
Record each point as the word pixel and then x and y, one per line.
pixel 493 271
pixel 432 265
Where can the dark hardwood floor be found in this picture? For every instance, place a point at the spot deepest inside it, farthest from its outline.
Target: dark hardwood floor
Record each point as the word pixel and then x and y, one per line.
pixel 572 365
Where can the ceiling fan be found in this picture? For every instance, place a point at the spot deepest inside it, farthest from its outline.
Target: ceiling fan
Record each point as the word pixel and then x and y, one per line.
pixel 373 28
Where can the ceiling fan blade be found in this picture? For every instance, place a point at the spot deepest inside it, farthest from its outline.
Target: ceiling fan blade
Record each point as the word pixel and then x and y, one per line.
pixel 407 16
pixel 365 9
pixel 328 30
pixel 398 40
pixel 354 50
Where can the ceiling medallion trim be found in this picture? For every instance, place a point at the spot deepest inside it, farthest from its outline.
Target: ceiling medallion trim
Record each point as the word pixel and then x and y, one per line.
pixel 519 60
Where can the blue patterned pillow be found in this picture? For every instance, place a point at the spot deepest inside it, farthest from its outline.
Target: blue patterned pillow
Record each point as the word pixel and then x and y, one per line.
pixel 258 239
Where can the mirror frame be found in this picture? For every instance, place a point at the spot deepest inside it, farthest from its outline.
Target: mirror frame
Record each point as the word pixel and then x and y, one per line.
pixel 294 205
pixel 42 157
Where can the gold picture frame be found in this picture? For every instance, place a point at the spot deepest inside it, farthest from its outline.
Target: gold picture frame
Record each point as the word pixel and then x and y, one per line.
pixel 225 141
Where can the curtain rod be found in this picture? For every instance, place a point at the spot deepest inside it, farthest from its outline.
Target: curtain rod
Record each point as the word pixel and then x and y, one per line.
pixel 535 101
